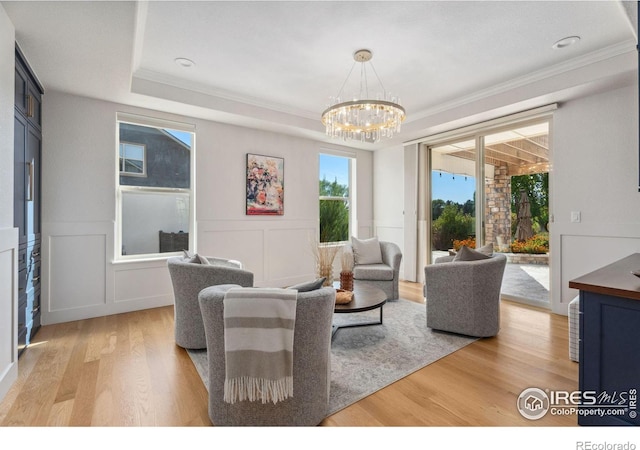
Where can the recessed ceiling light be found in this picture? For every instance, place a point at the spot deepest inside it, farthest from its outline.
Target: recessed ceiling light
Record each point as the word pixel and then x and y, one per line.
pixel 184 62
pixel 566 42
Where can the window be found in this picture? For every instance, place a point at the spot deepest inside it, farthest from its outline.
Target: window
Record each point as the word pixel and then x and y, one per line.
pixel 335 198
pixel 155 199
pixel 132 160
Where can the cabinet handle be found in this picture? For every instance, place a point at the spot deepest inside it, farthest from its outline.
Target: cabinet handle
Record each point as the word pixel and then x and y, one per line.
pixel 30 181
pixel 30 105
pixel 36 279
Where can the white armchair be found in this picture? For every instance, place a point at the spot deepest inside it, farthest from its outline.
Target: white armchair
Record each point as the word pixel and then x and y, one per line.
pixel 377 263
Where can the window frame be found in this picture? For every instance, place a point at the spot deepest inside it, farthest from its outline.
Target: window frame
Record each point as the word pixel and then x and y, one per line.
pixel 144 159
pixel 350 199
pixel 121 190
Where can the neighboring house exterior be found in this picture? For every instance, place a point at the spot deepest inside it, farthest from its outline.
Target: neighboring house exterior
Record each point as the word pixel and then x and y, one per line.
pixel 165 158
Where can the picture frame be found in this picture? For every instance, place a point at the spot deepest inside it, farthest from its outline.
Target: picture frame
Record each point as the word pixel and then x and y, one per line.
pixel 264 185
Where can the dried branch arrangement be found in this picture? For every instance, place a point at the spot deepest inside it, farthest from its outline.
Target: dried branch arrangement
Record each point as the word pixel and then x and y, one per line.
pixel 346 260
pixel 324 254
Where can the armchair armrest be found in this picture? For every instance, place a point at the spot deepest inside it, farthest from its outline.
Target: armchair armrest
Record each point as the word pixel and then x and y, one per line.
pixel 230 275
pixel 224 262
pixel 443 259
pixel 391 255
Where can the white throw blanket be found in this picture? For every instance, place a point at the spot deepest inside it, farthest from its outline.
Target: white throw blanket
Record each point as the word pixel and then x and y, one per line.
pixel 258 340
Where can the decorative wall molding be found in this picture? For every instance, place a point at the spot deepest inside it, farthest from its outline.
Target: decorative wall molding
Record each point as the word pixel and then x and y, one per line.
pixel 271 249
pixel 9 308
pixel 82 281
pixel 581 254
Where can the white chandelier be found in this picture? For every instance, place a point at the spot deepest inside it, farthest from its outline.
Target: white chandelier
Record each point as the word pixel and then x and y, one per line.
pixel 363 119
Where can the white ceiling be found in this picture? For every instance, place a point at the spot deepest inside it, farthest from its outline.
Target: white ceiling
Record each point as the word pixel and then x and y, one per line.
pixel 274 65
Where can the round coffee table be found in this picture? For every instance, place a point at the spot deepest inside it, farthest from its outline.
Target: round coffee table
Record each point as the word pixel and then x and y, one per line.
pixel 365 298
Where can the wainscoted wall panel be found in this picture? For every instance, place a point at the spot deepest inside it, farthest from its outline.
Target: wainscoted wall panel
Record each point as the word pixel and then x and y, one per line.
pixel 365 230
pixel 83 282
pixel 277 251
pixel 244 245
pixel 76 271
pixel 391 234
pixel 7 322
pixel 143 283
pixel 9 308
pixel 588 253
pixel 290 255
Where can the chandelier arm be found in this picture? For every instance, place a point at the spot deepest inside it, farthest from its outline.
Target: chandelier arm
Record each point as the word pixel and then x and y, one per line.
pixel 366 81
pixel 384 91
pixel 345 80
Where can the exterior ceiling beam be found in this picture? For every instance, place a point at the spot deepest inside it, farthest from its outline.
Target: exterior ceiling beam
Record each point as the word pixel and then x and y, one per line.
pixel 529 147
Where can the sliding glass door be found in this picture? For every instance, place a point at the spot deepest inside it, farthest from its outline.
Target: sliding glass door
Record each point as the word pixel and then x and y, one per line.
pixel 453 195
pixel 492 187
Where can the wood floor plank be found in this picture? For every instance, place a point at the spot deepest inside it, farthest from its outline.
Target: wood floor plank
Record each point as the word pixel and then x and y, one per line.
pixel 103 406
pixel 85 394
pixel 125 370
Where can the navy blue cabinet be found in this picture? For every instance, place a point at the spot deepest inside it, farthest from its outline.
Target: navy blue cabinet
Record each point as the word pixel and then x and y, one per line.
pixel 610 344
pixel 27 200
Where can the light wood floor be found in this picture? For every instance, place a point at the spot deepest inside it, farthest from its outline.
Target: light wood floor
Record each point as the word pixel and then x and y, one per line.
pixel 125 370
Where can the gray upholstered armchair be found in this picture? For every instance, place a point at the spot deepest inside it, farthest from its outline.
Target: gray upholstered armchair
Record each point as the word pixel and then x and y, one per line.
pixel 188 279
pixel 311 364
pixel 464 296
pixel 381 271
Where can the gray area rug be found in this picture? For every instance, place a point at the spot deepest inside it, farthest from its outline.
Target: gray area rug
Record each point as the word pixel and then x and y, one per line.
pixel 367 359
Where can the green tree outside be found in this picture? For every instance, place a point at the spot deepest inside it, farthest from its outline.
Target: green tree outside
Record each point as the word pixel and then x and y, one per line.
pixel 334 213
pixel 452 224
pixel 537 188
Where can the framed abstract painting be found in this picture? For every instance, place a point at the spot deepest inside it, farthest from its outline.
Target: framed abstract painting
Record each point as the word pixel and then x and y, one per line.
pixel 265 185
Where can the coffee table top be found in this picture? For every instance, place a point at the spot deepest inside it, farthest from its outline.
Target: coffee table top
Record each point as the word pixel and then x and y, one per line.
pixel 365 298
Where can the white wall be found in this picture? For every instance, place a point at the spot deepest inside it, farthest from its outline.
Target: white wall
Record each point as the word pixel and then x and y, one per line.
pixel 80 279
pixel 388 205
pixel 8 234
pixel 594 171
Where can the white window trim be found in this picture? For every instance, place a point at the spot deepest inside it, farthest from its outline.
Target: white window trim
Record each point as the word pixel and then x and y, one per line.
pixel 532 115
pixel 152 122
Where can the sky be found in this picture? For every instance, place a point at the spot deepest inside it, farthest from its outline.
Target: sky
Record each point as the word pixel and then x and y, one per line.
pixel 445 187
pixel 332 167
pixel 182 135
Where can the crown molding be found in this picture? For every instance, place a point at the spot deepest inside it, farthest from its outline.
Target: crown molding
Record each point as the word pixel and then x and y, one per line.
pixel 540 75
pixel 156 77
